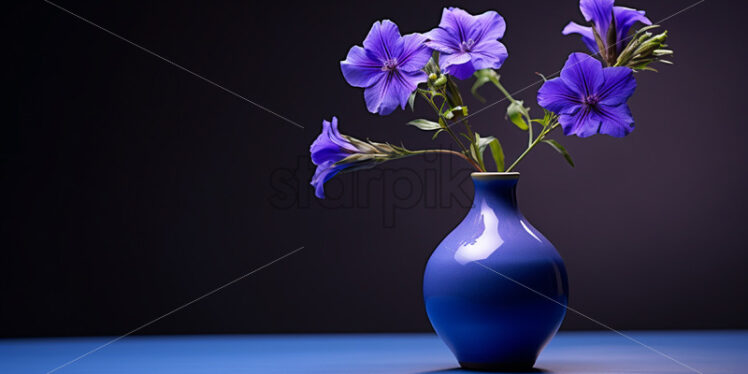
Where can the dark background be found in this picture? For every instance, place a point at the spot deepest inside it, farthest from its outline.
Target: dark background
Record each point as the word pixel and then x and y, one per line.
pixel 130 187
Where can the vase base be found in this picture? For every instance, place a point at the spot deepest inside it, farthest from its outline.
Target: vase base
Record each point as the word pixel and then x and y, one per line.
pixel 499 368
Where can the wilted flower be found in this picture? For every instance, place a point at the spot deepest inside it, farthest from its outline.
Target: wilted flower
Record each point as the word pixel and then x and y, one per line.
pixel 611 23
pixel 590 99
pixel 388 66
pixel 329 148
pixel 334 152
pixel 468 43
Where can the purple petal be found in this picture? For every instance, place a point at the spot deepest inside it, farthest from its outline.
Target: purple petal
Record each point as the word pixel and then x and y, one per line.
pixel 392 90
pixel 625 18
pixel 384 41
pixel 458 21
pixel 579 123
pixel 468 42
pixel 337 138
pixel 408 82
pixel 557 97
pixel 443 40
pixel 323 174
pixel 378 97
pixel 359 70
pixel 615 121
pixel 586 32
pixel 447 60
pixel 462 71
pixel 320 155
pixel 330 144
pixel 618 87
pixel 600 12
pixel 488 54
pixel 487 26
pixel 415 53
pixel 583 74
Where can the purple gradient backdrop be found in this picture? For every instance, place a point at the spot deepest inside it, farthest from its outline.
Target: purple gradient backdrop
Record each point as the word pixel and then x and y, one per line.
pixel 130 187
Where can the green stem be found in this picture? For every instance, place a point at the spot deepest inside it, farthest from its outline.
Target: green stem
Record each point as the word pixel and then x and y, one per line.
pixel 502 89
pixel 529 129
pixel 446 126
pixel 459 102
pixel 509 97
pixel 532 145
pixel 477 164
pixel 451 152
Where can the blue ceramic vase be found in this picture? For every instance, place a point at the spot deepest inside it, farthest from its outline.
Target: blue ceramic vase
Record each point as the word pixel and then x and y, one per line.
pixel 495 288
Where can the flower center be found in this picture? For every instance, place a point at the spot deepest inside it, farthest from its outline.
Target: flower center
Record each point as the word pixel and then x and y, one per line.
pixel 390 65
pixel 466 46
pixel 591 100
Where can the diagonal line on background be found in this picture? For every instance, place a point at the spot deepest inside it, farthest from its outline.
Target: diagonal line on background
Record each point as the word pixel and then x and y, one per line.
pixel 300 248
pixel 164 59
pixel 173 311
pixel 591 319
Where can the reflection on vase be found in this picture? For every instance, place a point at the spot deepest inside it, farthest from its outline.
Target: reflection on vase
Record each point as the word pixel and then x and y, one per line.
pixel 481 284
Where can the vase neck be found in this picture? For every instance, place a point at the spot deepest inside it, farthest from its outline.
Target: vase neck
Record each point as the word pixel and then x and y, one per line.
pixel 496 189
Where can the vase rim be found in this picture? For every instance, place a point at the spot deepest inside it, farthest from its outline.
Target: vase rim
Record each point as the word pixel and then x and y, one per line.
pixel 494 175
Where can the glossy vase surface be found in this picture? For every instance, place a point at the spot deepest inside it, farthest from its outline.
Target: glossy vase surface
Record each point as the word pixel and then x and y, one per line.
pixel 495 289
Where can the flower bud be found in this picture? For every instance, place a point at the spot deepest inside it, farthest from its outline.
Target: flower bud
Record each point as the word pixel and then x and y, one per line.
pixel 441 81
pixel 643 50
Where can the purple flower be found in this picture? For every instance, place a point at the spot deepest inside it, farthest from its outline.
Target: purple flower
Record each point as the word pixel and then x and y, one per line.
pixel 329 148
pixel 388 66
pixel 590 99
pixel 601 13
pixel 468 43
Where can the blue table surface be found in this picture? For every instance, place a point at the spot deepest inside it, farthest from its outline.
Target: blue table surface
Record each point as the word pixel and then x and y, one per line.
pixel 569 352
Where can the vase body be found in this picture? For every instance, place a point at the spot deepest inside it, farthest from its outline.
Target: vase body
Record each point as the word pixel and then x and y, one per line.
pixel 495 289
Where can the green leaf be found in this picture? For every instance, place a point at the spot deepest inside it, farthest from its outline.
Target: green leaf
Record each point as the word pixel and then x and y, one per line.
pixel 488 74
pixel 498 154
pixel 645 29
pixel 546 119
pixel 482 77
pixel 437 134
pixel 432 67
pixel 496 150
pixel 470 140
pixel 478 149
pixel 478 84
pixel 412 100
pixel 662 52
pixel 476 155
pixel 460 109
pixel 600 43
pixel 560 149
pixel 425 124
pixel 515 111
pixel 482 142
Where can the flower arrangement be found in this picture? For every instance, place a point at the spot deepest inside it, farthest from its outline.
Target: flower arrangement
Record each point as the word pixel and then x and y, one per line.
pixel 587 98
